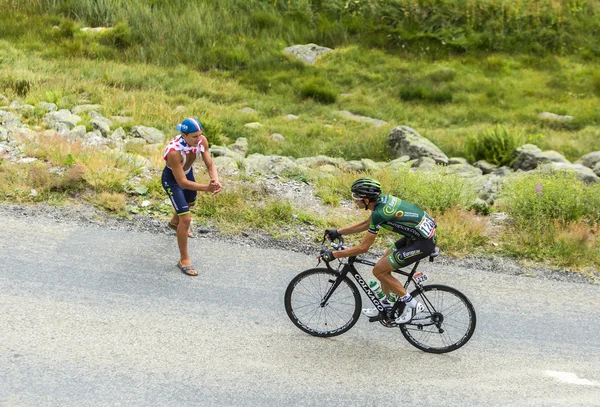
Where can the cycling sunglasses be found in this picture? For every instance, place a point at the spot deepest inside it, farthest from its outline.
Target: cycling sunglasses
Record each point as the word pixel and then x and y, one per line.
pixel 356 197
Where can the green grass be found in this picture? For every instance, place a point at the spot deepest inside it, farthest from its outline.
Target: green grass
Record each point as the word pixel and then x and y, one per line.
pixel 472 76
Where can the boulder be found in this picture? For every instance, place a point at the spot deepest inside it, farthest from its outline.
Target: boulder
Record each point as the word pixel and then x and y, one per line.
pixel 9 120
pixel 320 160
pixel 253 125
pixel 423 164
pixel 78 132
pixel 63 116
pixel 150 134
pixel 556 117
pixel 462 170
pixel 529 156
pixel 403 140
pixel 307 53
pixel 351 116
pixel 485 167
pixel 291 117
pixel 226 164
pixel 101 126
pixel 48 107
pixel 220 151
pixel 240 146
pixel 584 174
pixel 589 160
pixel 267 165
pixel 276 137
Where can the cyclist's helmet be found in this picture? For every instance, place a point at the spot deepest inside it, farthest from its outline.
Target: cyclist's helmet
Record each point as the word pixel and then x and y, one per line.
pixel 366 188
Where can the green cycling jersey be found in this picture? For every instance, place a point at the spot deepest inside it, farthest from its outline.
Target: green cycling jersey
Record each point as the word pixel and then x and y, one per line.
pixel 402 217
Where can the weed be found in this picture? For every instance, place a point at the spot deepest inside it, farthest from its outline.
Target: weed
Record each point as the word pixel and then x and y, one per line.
pixel 496 146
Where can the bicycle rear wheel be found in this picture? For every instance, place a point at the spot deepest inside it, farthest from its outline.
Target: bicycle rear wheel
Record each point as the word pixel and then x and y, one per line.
pixel 303 299
pixel 447 323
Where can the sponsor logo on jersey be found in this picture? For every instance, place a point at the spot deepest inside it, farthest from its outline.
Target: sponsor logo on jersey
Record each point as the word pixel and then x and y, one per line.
pixel 399 214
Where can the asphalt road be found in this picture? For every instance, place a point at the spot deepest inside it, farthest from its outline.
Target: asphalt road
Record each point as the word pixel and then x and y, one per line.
pixel 100 317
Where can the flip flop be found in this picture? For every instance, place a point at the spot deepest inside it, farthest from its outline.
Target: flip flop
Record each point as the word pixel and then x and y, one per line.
pixel 174 227
pixel 187 270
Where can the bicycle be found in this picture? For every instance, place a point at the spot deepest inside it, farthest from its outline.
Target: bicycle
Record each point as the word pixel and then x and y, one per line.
pixel 325 302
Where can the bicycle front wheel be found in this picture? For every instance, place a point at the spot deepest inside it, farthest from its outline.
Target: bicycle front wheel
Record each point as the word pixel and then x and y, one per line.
pixel 447 323
pixel 304 297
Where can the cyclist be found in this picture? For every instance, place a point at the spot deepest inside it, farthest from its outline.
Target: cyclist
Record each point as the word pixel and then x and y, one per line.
pixel 389 212
pixel 179 183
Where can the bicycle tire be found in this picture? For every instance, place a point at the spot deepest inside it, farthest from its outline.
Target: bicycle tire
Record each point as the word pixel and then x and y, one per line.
pixel 457 316
pixel 303 303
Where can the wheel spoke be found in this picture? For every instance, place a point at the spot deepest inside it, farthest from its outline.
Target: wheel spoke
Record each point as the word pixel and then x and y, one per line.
pixel 455 315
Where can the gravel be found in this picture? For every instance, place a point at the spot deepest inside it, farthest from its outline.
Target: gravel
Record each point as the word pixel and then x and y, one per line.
pixel 86 215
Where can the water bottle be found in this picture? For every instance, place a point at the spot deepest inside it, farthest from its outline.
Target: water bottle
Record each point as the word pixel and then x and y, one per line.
pixel 392 298
pixel 376 288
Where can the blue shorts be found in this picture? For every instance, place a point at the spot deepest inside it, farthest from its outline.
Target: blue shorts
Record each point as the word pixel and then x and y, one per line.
pixel 180 198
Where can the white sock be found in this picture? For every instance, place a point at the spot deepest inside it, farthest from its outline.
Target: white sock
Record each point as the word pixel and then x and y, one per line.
pixel 409 301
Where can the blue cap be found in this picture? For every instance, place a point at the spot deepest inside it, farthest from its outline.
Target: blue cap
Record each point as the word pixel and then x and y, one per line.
pixel 190 125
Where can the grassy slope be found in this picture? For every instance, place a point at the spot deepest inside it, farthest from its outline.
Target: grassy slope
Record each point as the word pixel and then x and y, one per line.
pixel 444 94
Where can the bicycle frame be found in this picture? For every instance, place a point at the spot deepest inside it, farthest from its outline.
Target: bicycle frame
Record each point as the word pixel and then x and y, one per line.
pixel 349 268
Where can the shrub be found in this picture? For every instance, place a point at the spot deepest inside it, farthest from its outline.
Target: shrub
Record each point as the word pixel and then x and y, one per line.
pixel 552 195
pixel 319 91
pixel 496 146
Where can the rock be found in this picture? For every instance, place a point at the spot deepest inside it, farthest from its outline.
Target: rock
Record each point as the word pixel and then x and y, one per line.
pixel 101 126
pixel 62 116
pixel 276 137
pixel 78 132
pixel 226 164
pixel 351 116
pixel 370 165
pixel 9 120
pixel 179 109
pixel 355 165
pixel 253 125
pixel 24 109
pixel 240 146
pixel 502 171
pixel 403 140
pixel 22 133
pixel 584 174
pixel 596 169
pixel 529 156
pixel 423 164
pixel 85 108
pixel 399 163
pixel 3 135
pixel 268 165
pixel 485 167
pixel 307 53
pixel 118 135
pixel 552 116
pixel 95 29
pixel 315 162
pixel 220 151
pixel 150 134
pixel 457 160
pixel 488 187
pixel 48 107
pixel 94 139
pixel 463 170
pixel 291 117
pixel 248 110
pixel 589 160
